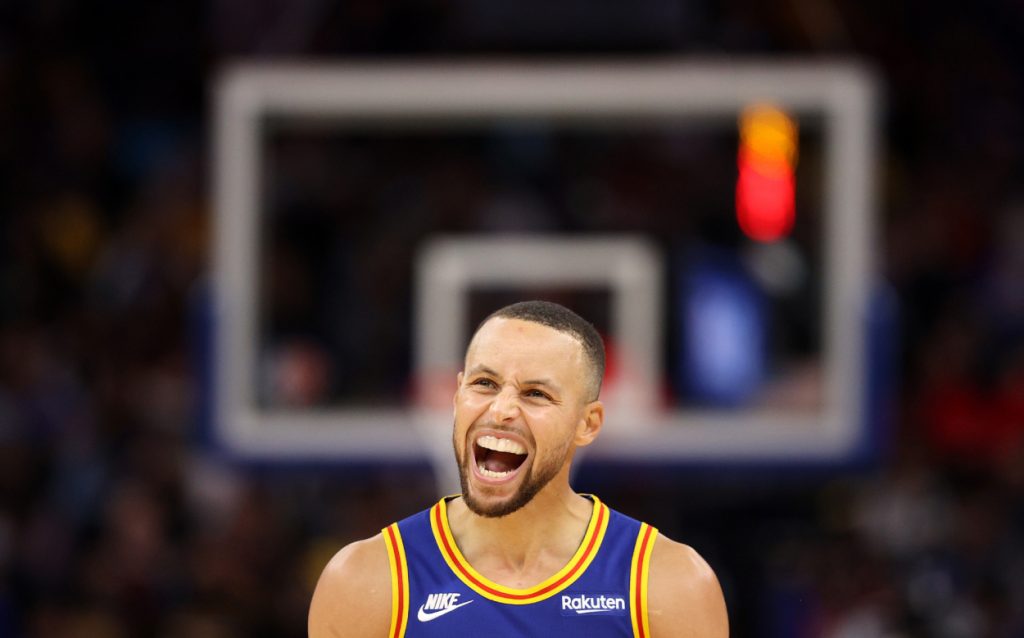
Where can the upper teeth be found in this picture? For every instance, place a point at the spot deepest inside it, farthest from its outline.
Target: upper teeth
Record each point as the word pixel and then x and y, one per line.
pixel 500 445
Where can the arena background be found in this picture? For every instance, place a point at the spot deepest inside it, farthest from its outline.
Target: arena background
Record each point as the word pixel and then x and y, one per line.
pixel 119 518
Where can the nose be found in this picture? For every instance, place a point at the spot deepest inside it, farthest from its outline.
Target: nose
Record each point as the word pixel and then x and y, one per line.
pixel 505 405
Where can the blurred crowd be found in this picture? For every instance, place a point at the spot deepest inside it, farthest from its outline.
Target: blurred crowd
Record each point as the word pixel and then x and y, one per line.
pixel 116 521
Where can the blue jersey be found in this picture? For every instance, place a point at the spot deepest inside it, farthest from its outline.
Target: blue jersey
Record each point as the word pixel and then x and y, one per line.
pixel 602 591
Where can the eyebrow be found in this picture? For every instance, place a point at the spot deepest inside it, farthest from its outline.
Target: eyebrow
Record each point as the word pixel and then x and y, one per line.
pixel 478 369
pixel 543 382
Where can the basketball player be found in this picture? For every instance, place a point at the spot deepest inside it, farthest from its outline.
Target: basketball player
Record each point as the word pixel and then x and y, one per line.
pixel 519 553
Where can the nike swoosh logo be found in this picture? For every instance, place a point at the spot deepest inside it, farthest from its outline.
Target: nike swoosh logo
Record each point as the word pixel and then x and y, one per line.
pixel 427 616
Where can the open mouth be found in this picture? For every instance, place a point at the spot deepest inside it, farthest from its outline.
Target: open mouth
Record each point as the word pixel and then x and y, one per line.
pixel 498 458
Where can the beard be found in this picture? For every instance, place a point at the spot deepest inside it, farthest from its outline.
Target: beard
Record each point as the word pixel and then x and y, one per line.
pixel 537 477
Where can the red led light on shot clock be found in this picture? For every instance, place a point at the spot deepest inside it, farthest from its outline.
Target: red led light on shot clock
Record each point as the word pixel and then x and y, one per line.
pixel 766 185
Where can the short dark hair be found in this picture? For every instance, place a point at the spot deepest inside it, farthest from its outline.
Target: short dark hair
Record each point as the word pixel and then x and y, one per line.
pixel 557 316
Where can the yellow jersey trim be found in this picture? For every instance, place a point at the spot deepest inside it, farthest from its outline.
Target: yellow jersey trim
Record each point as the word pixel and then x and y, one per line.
pixel 399 581
pixel 639 574
pixel 487 588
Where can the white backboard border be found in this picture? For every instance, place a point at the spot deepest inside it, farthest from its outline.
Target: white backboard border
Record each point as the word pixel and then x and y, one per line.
pixel 454 94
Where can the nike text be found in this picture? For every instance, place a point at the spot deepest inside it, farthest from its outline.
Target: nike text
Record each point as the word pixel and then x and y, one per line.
pixel 438 605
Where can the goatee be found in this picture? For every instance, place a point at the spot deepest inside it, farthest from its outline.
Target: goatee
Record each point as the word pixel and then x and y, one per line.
pixel 537 477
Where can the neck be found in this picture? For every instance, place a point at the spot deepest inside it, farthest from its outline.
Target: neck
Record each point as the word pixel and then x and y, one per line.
pixel 520 549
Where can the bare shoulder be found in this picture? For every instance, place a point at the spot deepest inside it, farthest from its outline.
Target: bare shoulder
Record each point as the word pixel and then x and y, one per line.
pixel 684 597
pixel 353 595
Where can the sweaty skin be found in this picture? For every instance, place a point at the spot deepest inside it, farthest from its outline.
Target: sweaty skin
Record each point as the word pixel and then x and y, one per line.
pixel 529 382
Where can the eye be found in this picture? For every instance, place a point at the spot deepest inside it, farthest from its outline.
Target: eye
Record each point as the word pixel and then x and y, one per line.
pixel 537 394
pixel 484 382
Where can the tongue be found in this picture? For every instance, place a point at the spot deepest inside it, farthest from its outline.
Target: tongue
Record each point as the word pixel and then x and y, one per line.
pixel 502 461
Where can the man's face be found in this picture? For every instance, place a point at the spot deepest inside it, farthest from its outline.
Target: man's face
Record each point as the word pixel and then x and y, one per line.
pixel 520 409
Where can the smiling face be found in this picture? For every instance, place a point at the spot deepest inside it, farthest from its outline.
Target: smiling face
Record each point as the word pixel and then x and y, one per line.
pixel 521 409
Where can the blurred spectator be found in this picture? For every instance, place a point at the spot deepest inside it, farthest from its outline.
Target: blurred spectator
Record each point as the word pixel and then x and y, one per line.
pixel 115 522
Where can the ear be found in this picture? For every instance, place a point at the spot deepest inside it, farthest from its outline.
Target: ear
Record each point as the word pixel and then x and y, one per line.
pixel 590 425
